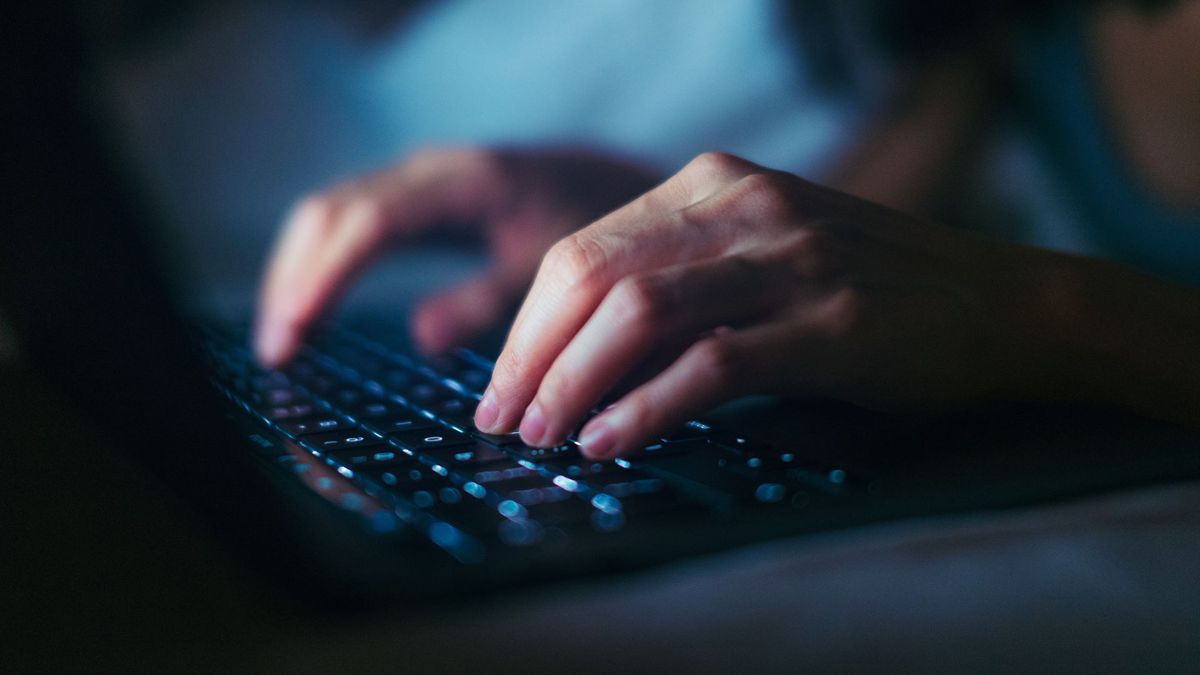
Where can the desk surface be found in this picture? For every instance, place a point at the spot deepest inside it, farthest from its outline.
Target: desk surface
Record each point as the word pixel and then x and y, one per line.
pixel 106 569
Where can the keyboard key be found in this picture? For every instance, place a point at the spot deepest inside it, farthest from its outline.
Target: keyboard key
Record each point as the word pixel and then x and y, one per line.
pixel 467 423
pixel 399 421
pixel 457 410
pixel 567 452
pixel 349 397
pixel 406 475
pixel 422 440
pixel 397 379
pixel 567 511
pixel 742 444
pixel 473 379
pixel 501 471
pixel 374 410
pixel 320 385
pixel 582 470
pixel 469 514
pixel 273 398
pixel 427 396
pixel 287 412
pixel 312 425
pixel 621 486
pixel 689 431
pixel 458 455
pixel 373 454
pixel 270 380
pixel 337 440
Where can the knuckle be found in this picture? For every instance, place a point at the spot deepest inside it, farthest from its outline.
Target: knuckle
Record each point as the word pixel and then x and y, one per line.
pixel 316 210
pixel 716 359
pixel 577 261
pixel 844 311
pixel 507 373
pixel 640 301
pixel 767 196
pixel 638 413
pixel 812 254
pixel 367 214
pixel 714 163
pixel 425 156
pixel 555 388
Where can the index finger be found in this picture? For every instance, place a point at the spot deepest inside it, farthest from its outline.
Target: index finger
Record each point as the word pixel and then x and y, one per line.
pixel 579 271
pixel 330 238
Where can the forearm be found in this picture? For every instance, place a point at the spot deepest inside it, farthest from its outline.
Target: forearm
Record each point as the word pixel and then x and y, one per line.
pixel 1122 338
pixel 918 139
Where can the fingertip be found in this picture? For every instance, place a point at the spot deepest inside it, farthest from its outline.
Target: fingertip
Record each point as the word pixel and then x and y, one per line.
pixel 273 345
pixel 597 441
pixel 488 413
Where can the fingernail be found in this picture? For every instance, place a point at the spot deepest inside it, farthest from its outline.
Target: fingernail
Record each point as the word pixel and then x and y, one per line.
pixel 597 439
pixel 487 413
pixel 533 425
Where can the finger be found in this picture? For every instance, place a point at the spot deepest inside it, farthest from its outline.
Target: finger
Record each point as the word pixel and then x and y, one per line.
pixel 716 369
pixel 323 246
pixel 454 316
pixel 575 275
pixel 802 353
pixel 639 314
pixel 331 238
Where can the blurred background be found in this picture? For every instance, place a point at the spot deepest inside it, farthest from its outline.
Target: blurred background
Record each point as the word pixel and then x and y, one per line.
pixel 992 115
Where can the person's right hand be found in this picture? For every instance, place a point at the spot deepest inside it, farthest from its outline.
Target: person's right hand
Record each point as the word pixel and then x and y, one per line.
pixel 521 202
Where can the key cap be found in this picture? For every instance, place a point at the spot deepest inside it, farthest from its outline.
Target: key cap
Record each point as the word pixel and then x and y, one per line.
pixel 625 484
pixel 498 472
pixel 374 410
pixel 312 425
pixel 348 397
pixel 405 474
pixel 269 380
pixel 456 410
pixel 336 440
pixel 422 440
pixel 399 421
pixel 287 412
pixel 567 452
pixel 374 454
pixel 426 396
pixel 500 440
pixel 561 512
pixel 273 398
pixel 582 469
pixel 397 379
pixel 518 482
pixel 467 513
pixel 473 379
pixel 461 455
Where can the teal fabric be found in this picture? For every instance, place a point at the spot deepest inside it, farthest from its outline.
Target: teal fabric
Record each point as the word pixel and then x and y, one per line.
pixel 1127 222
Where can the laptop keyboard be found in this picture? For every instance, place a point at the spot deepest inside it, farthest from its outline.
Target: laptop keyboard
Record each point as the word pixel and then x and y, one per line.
pixel 400 430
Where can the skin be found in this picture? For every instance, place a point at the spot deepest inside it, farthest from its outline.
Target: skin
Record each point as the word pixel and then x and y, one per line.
pixel 1147 72
pixel 733 279
pixel 778 286
pixel 519 203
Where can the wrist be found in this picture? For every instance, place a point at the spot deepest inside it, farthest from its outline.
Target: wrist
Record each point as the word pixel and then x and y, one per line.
pixel 1102 333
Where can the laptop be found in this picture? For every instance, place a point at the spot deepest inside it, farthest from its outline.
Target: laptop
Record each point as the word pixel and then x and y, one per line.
pixel 354 476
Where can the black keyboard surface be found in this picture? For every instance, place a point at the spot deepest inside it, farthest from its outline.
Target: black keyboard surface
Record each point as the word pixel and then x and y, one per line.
pixel 383 428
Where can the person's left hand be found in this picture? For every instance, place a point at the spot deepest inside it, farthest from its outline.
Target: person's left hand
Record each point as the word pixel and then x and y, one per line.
pixel 749 281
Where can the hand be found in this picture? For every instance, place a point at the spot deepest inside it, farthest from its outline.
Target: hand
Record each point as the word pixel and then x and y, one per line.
pixel 520 202
pixel 752 281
